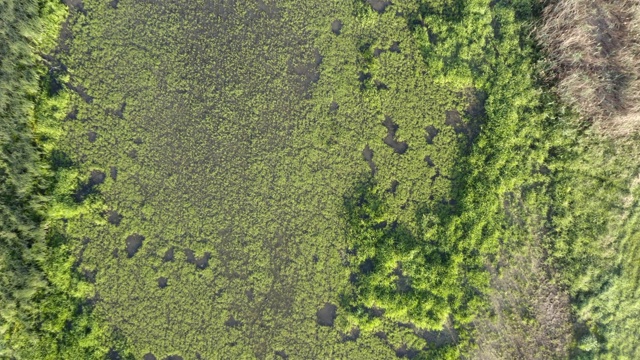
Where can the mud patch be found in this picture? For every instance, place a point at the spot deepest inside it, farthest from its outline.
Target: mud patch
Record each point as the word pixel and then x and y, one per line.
pixel 149 356
pixel 96 177
pixel 399 147
pixel 395 47
pixel 162 282
pixel 336 27
pixel 403 282
pixel 379 5
pixel 113 172
pixel 81 91
pixel 406 352
pixel 174 357
pixel 114 4
pixel 367 154
pixel 60 160
pixel 134 243
pixel 114 218
pixel 232 322
pixel 334 106
pixel 203 262
pixel 470 130
pixel 476 109
pixel 393 187
pixel 380 85
pixel 168 255
pixel 429 161
pixel 432 132
pixel 368 265
pixel 133 154
pixel 114 355
pixel 93 136
pixel 282 354
pixel 353 335
pixel 326 315
pixel 191 256
pixel 90 275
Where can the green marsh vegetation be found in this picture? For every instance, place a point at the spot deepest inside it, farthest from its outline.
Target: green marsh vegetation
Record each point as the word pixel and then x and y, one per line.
pixel 261 179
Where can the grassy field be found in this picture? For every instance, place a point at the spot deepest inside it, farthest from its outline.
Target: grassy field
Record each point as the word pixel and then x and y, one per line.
pixel 238 179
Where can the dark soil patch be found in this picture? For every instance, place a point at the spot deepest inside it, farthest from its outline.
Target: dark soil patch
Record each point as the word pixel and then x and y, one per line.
pixel 403 283
pixel 399 147
pixel 432 132
pixel 191 256
pixel 203 262
pixel 114 355
pixel 393 187
pixel 60 160
pixel 429 161
pixel 334 106
pixel 353 335
pixel 80 90
pixel 115 253
pixel 162 282
pixel 149 356
pixel 114 218
pixel 368 265
pixel 90 275
pixel 377 52
pixel 476 109
pixel 96 177
pixel 232 322
pixel 114 172
pixel 336 27
pixel 379 5
pixel 138 141
pixel 438 338
pixel 470 130
pixel 436 175
pixel 308 69
pixel 134 242
pixel 381 335
pixel 93 136
pixel 72 115
pixel 282 354
pixel 395 47
pixel 375 312
pixel 174 357
pixel 133 154
pixel 249 294
pixel 367 154
pixel 363 78
pixel 404 352
pixel 326 315
pixel 114 4
pixel 168 255
pixel 380 85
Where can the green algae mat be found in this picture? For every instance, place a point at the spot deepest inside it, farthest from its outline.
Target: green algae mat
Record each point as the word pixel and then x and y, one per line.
pixel 218 142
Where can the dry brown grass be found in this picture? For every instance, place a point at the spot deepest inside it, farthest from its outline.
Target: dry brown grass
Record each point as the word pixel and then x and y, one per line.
pixel 594 49
pixel 529 317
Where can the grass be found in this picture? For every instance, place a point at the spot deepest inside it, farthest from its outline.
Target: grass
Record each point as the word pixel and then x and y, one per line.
pixel 593 55
pixel 251 180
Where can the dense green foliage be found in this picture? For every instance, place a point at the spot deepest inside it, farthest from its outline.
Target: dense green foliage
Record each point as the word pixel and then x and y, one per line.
pixel 44 311
pixel 260 179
